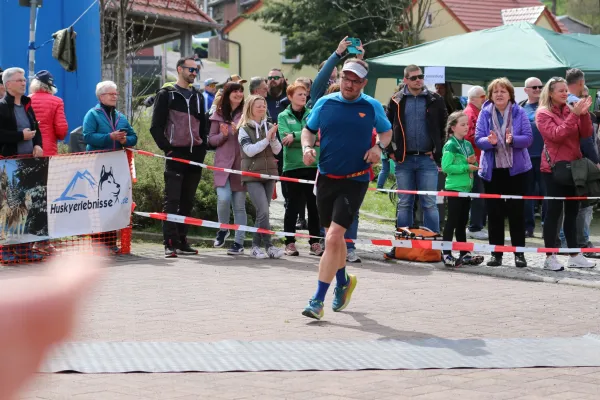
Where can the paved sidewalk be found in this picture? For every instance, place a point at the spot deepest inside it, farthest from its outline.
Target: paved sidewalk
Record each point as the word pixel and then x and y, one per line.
pixel 213 297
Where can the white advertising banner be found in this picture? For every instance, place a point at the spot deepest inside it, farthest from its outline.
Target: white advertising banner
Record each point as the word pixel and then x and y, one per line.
pixel 88 193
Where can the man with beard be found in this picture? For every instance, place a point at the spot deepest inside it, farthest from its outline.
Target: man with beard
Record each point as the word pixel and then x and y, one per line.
pixel 346 121
pixel 179 128
pixel 277 100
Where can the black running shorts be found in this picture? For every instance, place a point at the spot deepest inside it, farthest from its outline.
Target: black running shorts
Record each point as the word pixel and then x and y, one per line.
pixel 338 200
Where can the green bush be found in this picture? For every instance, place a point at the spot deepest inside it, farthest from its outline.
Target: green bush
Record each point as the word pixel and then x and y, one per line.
pixel 148 191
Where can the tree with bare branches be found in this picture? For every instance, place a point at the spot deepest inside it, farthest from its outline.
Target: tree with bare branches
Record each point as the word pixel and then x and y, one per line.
pixel 122 37
pixel 313 27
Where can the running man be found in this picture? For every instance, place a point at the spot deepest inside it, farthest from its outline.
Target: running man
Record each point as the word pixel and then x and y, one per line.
pixel 345 121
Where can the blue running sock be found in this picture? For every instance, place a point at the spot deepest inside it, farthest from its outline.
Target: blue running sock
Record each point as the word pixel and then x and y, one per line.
pixel 341 277
pixel 322 289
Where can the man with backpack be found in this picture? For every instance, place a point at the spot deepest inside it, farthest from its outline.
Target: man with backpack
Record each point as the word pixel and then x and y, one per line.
pixel 179 128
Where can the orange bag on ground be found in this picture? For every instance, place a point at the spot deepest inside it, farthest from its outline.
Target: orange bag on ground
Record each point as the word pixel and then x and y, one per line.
pixel 410 254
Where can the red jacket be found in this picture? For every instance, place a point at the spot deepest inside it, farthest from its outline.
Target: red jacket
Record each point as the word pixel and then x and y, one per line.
pixel 50 113
pixel 473 113
pixel 561 130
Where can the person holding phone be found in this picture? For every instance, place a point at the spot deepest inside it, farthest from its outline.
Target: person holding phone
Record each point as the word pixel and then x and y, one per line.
pixel 19 135
pixel 105 128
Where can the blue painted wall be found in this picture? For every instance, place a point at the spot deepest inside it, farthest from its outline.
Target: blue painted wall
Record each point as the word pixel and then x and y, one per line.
pixel 77 89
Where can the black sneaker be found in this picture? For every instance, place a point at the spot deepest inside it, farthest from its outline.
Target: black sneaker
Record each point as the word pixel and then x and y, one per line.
pixel 170 252
pixel 221 237
pixel 520 261
pixel 236 249
pixel 301 224
pixel 186 250
pixel 469 259
pixel 494 261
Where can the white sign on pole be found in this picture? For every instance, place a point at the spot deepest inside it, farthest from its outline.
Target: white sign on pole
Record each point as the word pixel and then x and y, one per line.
pixel 435 75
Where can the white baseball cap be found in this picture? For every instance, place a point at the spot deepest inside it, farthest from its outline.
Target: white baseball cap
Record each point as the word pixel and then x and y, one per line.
pixel 355 67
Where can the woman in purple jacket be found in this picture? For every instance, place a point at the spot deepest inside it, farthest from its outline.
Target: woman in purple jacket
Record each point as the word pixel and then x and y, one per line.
pixel 230 189
pixel 503 134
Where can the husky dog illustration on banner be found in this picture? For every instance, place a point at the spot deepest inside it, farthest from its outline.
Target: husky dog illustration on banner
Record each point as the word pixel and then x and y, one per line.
pixel 108 188
pixel 16 217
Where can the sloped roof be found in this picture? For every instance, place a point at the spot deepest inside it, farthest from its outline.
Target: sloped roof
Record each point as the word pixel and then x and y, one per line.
pixel 184 10
pixel 240 18
pixel 523 14
pixel 475 15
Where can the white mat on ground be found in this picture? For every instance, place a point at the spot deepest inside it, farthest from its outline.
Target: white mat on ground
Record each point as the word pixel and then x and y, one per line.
pixel 385 354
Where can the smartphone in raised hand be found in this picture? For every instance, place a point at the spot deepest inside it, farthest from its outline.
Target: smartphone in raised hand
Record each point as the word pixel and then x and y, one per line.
pixel 353 48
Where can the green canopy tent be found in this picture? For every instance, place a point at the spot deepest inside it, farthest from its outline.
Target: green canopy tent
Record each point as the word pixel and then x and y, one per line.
pixel 515 51
pixel 584 37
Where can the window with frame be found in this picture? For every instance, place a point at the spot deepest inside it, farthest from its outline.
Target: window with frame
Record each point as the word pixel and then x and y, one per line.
pixel 284 59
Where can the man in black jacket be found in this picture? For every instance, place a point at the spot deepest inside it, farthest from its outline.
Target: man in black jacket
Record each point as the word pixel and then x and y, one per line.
pixel 418 119
pixel 179 128
pixel 19 133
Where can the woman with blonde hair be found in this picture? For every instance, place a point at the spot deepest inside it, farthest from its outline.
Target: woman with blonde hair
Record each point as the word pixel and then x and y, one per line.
pixel 258 140
pixel 503 133
pixel 561 127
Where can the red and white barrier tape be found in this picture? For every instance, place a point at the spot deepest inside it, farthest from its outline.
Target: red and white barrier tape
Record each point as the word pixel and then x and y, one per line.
pixel 231 171
pixel 400 191
pixel 414 244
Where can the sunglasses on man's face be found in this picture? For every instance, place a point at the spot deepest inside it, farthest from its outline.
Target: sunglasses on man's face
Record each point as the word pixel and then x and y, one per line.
pixel 415 77
pixel 274 78
pixel 193 70
pixel 535 87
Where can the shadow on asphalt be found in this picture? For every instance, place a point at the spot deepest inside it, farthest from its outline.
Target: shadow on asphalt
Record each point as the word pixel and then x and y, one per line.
pixel 465 347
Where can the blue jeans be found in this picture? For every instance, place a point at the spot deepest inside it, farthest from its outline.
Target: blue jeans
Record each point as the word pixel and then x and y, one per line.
pixel 384 173
pixel 584 220
pixel 478 207
pixel 352 233
pixel 535 187
pixel 417 172
pixel 225 200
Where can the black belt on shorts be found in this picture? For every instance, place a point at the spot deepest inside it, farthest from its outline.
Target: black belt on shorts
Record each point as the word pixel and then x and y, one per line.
pixel 418 153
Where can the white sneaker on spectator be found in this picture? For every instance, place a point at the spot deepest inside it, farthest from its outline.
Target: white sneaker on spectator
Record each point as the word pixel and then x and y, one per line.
pixel 579 261
pixel 352 256
pixel 479 235
pixel 258 253
pixel 552 264
pixel 275 252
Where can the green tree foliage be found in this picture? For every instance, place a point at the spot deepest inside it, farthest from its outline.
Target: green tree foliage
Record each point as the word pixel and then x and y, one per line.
pixel 31 176
pixel 313 28
pixel 587 11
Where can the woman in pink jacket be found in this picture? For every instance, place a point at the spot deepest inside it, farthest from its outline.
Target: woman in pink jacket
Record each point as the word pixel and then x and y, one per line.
pixel 49 110
pixel 230 189
pixel 561 127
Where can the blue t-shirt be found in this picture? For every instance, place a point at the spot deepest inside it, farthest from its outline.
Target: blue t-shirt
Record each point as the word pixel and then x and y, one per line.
pixel 535 150
pixel 346 132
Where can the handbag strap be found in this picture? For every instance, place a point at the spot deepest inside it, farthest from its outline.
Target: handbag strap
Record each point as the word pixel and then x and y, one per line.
pixel 548 157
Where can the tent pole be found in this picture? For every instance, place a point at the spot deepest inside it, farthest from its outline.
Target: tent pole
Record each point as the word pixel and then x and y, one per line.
pixel 32 12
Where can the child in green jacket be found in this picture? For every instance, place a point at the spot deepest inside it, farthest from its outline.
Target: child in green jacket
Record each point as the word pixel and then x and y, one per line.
pixel 459 163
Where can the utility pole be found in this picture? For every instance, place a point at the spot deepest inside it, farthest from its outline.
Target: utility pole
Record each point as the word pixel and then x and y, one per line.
pixel 33 6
